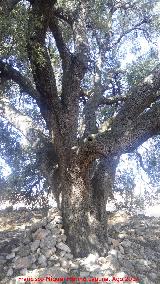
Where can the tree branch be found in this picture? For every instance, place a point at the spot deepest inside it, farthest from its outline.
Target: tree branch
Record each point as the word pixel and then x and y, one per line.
pixel 137 26
pixel 80 34
pixel 90 118
pixel 62 48
pixel 40 61
pixel 64 15
pixel 74 68
pixel 140 159
pixel 146 126
pixel 90 110
pixel 140 99
pixel 135 104
pixel 91 106
pixel 111 100
pixel 7 72
pixel 114 143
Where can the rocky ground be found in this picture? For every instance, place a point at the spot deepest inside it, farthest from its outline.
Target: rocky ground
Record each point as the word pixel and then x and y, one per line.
pixel 33 244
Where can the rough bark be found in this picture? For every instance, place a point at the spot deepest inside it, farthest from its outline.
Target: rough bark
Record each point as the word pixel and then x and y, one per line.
pixel 102 182
pixel 80 215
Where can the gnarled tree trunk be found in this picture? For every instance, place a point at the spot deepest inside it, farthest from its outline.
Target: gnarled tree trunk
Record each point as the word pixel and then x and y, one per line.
pixel 86 230
pixel 84 197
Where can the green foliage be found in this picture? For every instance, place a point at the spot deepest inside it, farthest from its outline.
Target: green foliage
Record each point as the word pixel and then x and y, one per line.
pixel 25 181
pixel 13 33
pixel 141 68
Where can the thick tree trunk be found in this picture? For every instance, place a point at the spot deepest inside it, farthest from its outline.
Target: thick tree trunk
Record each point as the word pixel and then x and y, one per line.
pixel 102 182
pixel 83 203
pixel 86 232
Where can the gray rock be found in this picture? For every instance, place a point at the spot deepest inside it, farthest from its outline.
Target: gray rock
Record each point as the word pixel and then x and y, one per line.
pixel 42 260
pixel 91 259
pixel 34 266
pixel 24 250
pixel 49 252
pixel 48 243
pixel 10 272
pixel 107 272
pixel 2 262
pixel 26 241
pixel 11 255
pixel 16 249
pixel 142 250
pixel 57 264
pixel 54 258
pixel 52 212
pixel 24 271
pixel 93 268
pixel 113 252
pixel 33 258
pixel 121 249
pixel 64 263
pixel 69 255
pixel 63 238
pixel 35 245
pixel 44 222
pixel 63 246
pixel 111 263
pixel 51 226
pixel 101 260
pixel 50 264
pixel 122 235
pixel 62 253
pixel 58 219
pixel 152 276
pixel 35 227
pixel 109 240
pixel 142 259
pixel 146 280
pixel 2 257
pixel 73 265
pixel 128 265
pixel 126 243
pixel 9 209
pixel 40 234
pixel 23 262
pixel 38 251
pixel 58 226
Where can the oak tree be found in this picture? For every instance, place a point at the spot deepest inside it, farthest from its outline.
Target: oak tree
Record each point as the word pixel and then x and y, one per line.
pixel 67 55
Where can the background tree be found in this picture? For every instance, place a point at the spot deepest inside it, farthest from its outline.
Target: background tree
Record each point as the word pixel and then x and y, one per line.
pixel 67 56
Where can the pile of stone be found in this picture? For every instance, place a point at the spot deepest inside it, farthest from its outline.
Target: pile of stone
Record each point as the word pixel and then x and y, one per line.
pixel 137 243
pixel 43 245
pixel 134 251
